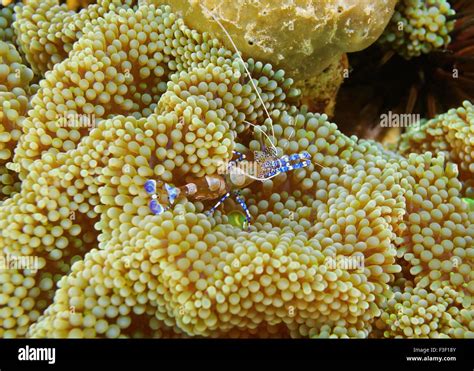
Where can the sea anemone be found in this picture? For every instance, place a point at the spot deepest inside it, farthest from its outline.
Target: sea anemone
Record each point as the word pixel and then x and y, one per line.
pixel 381 81
pixel 6 21
pixel 333 250
pixel 15 93
pixel 419 27
pixel 450 133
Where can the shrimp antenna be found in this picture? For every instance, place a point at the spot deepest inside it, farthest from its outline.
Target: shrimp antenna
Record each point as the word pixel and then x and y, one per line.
pixel 265 134
pixel 246 70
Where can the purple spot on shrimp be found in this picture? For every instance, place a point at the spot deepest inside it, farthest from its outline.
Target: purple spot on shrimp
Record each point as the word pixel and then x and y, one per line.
pixel 156 208
pixel 150 186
